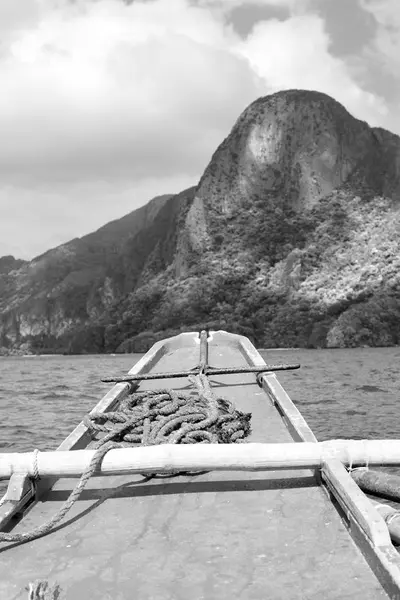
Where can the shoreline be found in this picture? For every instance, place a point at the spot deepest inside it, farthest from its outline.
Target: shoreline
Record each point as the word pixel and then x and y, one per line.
pixel 16 354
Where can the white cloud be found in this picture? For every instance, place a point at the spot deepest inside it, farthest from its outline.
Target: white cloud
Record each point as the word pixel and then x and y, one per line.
pixel 104 104
pixel 386 45
pixel 107 86
pixel 225 5
pixel 296 53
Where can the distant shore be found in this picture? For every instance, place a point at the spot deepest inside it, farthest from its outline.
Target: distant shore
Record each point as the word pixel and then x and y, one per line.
pixel 17 354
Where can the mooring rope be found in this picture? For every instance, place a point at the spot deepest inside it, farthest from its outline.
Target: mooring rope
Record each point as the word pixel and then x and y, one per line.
pixel 169 417
pixel 150 418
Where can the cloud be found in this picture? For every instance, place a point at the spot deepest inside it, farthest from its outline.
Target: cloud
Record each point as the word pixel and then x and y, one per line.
pixel 107 87
pixel 226 5
pixel 386 45
pixel 296 52
pixel 105 103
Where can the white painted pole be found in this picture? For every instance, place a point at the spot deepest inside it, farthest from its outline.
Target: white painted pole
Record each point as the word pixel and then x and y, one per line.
pixel 208 457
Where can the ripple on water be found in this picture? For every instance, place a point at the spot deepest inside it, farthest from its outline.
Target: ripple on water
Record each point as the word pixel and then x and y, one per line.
pixel 371 388
pixel 55 396
pixel 37 411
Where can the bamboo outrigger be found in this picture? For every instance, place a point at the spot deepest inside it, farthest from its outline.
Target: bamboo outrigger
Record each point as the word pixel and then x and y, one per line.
pixel 279 517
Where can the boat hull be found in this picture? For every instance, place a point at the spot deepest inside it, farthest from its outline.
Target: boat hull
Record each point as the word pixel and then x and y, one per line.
pixel 250 535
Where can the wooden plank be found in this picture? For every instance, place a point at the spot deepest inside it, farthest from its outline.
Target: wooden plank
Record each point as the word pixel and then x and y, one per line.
pixel 19 493
pixel 354 503
pixel 367 526
pixel 294 419
pixel 207 457
pixel 384 561
pixel 207 371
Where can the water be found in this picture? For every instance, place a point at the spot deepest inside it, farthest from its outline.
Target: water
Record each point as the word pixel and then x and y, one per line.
pixel 353 393
pixel 341 393
pixel 42 398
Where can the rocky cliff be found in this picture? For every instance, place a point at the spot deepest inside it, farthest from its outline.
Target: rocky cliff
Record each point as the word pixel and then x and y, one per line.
pixel 290 237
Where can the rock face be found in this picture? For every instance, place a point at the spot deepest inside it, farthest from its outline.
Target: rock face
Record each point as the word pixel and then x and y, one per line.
pixel 290 237
pixel 56 300
pixel 296 147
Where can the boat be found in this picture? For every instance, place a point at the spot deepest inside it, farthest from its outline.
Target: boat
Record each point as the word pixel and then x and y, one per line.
pixel 274 515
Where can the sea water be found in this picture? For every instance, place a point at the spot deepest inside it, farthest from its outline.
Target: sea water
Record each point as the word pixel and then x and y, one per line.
pixel 353 393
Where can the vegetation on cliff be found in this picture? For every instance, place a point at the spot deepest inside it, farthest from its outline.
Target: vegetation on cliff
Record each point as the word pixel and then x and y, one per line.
pixel 290 237
pixel 337 287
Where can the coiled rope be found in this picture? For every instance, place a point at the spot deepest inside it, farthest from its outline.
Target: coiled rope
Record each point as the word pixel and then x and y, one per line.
pixel 149 418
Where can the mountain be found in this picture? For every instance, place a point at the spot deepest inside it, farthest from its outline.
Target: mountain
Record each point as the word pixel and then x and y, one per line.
pixel 45 302
pixel 9 263
pixel 290 237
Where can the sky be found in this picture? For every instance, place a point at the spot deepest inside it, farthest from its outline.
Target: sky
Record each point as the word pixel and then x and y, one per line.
pixel 105 104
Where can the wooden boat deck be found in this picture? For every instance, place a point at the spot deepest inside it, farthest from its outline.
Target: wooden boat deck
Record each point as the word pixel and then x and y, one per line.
pixel 272 535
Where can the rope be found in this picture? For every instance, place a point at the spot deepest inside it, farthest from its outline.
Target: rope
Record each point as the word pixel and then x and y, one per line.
pixel 170 417
pixel 149 418
pixel 36 475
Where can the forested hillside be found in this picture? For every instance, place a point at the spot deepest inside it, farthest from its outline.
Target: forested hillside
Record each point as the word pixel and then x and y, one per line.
pixel 290 237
